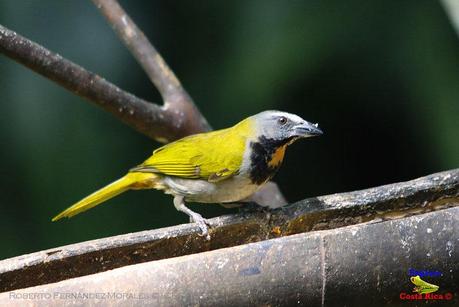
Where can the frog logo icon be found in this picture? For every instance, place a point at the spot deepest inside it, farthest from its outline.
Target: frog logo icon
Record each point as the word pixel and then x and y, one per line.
pixel 423 287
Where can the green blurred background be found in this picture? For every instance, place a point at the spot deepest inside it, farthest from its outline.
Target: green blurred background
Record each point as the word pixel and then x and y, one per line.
pixel 380 77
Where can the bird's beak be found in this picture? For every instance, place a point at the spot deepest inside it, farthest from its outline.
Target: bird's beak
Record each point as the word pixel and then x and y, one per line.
pixel 307 129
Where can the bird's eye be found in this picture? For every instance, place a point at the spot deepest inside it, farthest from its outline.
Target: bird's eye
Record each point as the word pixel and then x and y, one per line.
pixel 282 120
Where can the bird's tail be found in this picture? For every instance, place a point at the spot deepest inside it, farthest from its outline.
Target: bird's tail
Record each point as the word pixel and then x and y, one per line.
pixel 129 181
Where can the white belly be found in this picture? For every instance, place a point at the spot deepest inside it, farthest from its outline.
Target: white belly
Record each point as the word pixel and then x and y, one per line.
pixel 225 191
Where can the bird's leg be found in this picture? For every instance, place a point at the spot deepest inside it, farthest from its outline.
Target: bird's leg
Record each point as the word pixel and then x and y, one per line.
pixel 179 204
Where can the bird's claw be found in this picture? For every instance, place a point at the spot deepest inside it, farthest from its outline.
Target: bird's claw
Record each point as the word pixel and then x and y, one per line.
pixel 204 230
pixel 202 224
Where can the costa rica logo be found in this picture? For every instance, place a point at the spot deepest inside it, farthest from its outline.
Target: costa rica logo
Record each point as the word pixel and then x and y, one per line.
pixel 424 290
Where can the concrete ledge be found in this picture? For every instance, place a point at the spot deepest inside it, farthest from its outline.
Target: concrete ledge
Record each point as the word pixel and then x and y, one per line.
pixel 348 266
pixel 391 202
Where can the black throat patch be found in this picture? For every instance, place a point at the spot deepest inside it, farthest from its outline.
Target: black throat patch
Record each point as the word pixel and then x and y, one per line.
pixel 262 152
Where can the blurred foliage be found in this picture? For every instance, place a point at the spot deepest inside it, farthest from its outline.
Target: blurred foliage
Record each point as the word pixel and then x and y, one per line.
pixel 381 78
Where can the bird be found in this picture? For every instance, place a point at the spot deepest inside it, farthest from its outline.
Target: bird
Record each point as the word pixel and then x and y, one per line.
pixel 222 166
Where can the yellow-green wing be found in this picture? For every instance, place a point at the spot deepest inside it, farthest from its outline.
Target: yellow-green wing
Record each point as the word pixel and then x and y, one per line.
pixel 212 156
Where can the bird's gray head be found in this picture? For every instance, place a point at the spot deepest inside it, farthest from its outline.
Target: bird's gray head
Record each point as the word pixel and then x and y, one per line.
pixel 283 126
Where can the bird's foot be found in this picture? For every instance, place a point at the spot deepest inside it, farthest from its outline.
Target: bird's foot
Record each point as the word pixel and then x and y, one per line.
pixel 194 217
pixel 202 224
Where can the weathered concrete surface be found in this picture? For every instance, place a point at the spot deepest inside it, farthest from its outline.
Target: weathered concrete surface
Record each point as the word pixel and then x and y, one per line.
pixel 393 201
pixel 355 265
pixel 371 263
